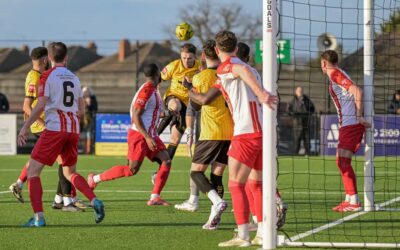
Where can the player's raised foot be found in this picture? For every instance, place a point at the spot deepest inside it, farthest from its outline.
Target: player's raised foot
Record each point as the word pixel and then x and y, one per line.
pixel 219 209
pixel 92 184
pixel 35 222
pixel 235 242
pixel 56 205
pixel 153 177
pixel 71 208
pixel 17 192
pixel 98 207
pixel 257 241
pixel 340 206
pixel 252 227
pixel 157 202
pixel 81 204
pixel 351 208
pixel 187 206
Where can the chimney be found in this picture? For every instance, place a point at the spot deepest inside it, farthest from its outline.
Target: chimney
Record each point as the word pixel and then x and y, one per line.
pixel 167 44
pixel 92 46
pixel 124 50
pixel 25 49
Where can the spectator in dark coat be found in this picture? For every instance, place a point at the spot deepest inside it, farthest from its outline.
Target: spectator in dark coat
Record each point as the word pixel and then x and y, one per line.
pixel 301 108
pixel 394 105
pixel 4 105
pixel 89 120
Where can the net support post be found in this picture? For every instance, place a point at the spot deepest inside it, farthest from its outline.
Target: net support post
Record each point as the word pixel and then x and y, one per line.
pixel 269 125
pixel 369 177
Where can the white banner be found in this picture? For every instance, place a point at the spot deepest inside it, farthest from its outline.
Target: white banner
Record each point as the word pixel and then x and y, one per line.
pixel 8 134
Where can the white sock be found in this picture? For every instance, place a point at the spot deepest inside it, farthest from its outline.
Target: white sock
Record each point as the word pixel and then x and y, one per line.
pixel 20 183
pixel 74 199
pixel 96 178
pixel 194 199
pixel 214 197
pixel 153 196
pixel 347 198
pixel 67 201
pixel 212 214
pixel 58 199
pixel 354 199
pixel 38 215
pixel 243 231
pixel 259 229
pixel 254 219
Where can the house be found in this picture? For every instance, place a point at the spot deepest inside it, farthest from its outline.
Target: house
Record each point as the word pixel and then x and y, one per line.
pixel 11 58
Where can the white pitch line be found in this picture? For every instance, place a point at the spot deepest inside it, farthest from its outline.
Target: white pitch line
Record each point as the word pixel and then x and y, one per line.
pixel 340 221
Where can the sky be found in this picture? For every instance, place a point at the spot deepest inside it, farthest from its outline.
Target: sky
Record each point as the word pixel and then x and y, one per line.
pixel 107 21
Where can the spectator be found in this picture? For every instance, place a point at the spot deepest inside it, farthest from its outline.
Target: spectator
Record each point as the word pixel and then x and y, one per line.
pixel 394 105
pixel 4 105
pixel 301 108
pixel 89 120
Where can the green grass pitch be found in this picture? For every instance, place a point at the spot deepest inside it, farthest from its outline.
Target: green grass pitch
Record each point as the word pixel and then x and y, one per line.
pixel 311 187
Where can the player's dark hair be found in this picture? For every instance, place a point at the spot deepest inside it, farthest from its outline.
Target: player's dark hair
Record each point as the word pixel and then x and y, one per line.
pixel 58 51
pixel 243 51
pixel 331 56
pixel 209 49
pixel 226 41
pixel 151 70
pixel 188 48
pixel 38 53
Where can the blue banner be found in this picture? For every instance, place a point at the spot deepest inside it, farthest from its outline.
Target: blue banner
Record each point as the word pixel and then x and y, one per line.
pixel 386 135
pixel 112 127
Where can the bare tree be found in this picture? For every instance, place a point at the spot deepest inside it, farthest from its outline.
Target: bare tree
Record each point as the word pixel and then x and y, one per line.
pixel 207 18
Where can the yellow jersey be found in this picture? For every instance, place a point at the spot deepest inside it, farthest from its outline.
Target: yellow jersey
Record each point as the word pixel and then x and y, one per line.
pixel 176 72
pixel 216 119
pixel 31 91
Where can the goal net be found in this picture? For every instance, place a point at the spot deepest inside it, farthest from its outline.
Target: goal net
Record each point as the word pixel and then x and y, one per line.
pixel 366 35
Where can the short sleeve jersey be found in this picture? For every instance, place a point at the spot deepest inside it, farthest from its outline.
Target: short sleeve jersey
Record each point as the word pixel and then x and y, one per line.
pixel 175 71
pixel 63 89
pixel 31 91
pixel 245 108
pixel 339 86
pixel 148 99
pixel 216 120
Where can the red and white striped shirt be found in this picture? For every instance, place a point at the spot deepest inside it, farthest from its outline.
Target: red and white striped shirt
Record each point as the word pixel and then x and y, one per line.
pixel 245 108
pixel 345 104
pixel 63 89
pixel 148 98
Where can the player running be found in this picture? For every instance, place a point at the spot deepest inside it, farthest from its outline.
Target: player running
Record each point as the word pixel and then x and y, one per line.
pixel 348 100
pixel 143 140
pixel 214 141
pixel 243 94
pixel 60 96
pixel 65 194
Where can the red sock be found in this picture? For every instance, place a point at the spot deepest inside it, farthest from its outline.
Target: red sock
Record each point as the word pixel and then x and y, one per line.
pixel 348 175
pixel 161 178
pixel 256 190
pixel 35 193
pixel 239 202
pixel 23 175
pixel 250 198
pixel 278 194
pixel 80 183
pixel 73 191
pixel 115 173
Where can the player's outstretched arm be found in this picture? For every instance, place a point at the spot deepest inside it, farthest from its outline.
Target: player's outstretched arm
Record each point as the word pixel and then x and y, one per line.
pixel 35 114
pixel 200 99
pixel 358 99
pixel 137 119
pixel 250 79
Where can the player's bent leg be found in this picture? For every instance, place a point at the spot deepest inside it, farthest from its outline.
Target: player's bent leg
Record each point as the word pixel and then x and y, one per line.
pixel 190 205
pixel 160 180
pixel 216 175
pixel 80 183
pixel 115 172
pixel 174 141
pixel 16 188
pixel 255 184
pixel 35 194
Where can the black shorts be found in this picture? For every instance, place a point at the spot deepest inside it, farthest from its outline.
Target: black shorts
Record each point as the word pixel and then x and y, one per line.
pixel 207 152
pixel 180 122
